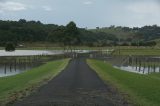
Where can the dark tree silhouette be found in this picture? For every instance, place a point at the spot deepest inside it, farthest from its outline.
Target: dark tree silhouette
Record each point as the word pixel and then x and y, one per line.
pixel 10 47
pixel 34 31
pixel 71 34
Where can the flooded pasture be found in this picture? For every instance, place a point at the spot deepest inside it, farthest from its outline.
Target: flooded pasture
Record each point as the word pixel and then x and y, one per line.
pixel 12 63
pixel 138 64
pixel 30 52
pixel 140 70
pixel 18 61
pixel 10 70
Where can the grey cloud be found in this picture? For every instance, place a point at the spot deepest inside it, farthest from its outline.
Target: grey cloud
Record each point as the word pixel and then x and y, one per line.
pixel 11 6
pixel 94 13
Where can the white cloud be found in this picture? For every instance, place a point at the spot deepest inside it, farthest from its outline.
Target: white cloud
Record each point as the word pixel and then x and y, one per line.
pixel 144 7
pixel 88 2
pixel 12 6
pixel 47 8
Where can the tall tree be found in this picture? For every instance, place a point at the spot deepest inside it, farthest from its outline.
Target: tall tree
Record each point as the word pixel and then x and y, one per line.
pixel 71 34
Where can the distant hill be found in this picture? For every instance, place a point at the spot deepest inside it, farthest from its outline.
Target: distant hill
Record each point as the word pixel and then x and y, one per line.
pixel 119 32
pixel 130 35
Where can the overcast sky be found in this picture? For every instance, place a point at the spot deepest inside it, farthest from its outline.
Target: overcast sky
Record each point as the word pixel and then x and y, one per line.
pixel 86 13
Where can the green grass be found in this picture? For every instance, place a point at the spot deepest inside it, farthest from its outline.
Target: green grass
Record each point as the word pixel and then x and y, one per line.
pixel 20 85
pixel 143 90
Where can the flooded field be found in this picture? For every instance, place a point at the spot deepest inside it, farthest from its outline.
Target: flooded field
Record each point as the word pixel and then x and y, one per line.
pixel 18 61
pixel 44 52
pixel 138 64
pixel 30 52
pixel 140 70
pixel 12 69
pixel 12 63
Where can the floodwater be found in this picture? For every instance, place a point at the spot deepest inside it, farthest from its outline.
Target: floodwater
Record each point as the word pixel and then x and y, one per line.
pixel 38 52
pixel 10 70
pixel 30 52
pixel 139 70
pixel 139 64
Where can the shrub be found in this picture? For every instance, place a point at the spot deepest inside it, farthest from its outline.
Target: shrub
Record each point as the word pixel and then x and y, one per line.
pixel 10 47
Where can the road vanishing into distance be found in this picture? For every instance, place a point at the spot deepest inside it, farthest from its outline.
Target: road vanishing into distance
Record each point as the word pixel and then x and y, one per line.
pixel 77 85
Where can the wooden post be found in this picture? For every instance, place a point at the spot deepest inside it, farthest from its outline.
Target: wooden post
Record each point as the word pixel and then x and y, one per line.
pixel 136 64
pixel 10 67
pixel 144 67
pixel 15 63
pixel 148 68
pixel 139 65
pixel 159 66
pixel 154 68
pixel 5 68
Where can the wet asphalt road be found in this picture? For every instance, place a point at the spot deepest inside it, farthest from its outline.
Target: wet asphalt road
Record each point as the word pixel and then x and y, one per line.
pixel 77 85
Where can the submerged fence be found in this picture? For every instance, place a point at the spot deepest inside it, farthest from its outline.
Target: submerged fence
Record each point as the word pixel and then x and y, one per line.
pixel 143 64
pixel 13 64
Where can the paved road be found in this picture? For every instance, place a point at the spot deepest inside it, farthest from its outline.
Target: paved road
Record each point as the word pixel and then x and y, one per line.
pixel 77 85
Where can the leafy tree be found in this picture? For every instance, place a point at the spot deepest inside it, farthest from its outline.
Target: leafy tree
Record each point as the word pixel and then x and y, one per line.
pixel 22 21
pixel 10 47
pixel 57 35
pixel 71 34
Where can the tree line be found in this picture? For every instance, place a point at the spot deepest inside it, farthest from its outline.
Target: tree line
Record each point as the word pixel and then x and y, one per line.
pixel 34 31
pixel 136 36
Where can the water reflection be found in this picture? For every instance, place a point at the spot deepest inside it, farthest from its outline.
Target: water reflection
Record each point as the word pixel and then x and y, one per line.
pixel 18 61
pixel 139 70
pixel 9 70
pixel 30 52
pixel 44 52
pixel 139 64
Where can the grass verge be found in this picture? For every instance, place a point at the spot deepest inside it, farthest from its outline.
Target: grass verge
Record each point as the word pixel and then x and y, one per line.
pixel 138 51
pixel 19 86
pixel 141 90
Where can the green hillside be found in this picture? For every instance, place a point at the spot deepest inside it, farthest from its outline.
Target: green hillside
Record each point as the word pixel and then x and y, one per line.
pixel 118 32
